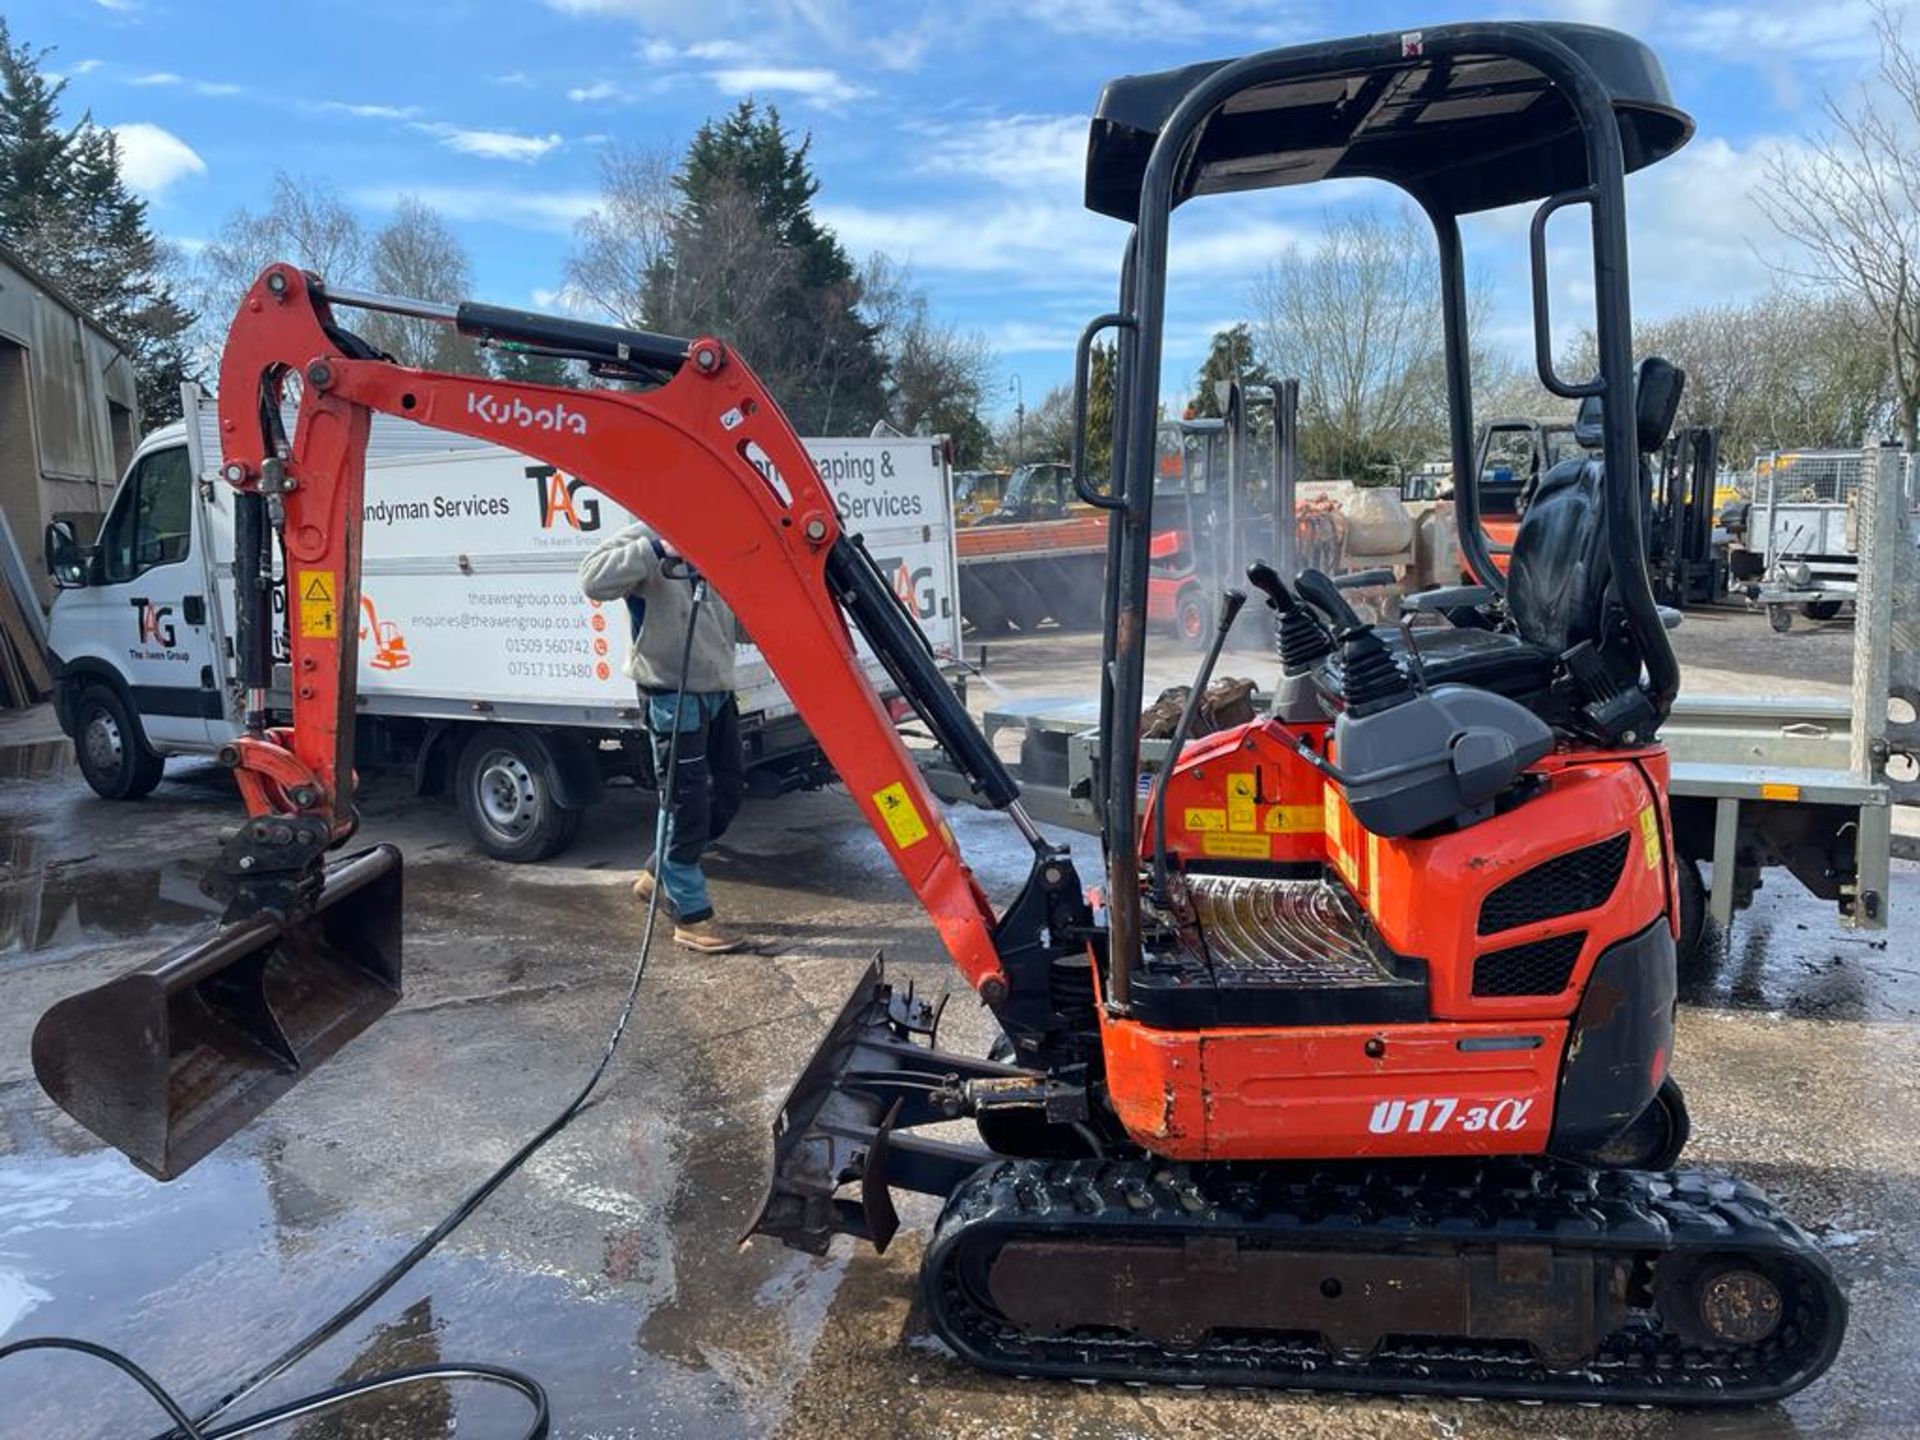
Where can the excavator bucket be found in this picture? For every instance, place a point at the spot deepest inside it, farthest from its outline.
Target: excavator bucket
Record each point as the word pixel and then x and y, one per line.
pixel 168 1060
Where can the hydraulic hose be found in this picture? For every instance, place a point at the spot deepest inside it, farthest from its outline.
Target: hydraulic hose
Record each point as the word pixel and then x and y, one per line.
pixel 201 1426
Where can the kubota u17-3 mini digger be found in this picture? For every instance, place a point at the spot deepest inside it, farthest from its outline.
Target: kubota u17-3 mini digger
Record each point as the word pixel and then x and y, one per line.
pixel 1359 1080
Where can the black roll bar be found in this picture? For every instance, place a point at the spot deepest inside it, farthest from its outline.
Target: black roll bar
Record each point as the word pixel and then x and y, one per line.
pixel 1144 302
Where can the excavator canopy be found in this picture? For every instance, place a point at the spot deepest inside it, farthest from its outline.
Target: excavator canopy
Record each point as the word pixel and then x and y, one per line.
pixel 1458 132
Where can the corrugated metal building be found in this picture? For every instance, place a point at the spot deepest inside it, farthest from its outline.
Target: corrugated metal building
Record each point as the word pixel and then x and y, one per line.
pixel 69 412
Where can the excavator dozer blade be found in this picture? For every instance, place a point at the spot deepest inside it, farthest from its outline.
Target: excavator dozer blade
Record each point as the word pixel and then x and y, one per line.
pixel 167 1061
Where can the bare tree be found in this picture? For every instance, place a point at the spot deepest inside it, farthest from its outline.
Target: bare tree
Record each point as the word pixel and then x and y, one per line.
pixel 937 375
pixel 305 221
pixel 619 246
pixel 416 255
pixel 1852 200
pixel 1793 367
pixel 1358 320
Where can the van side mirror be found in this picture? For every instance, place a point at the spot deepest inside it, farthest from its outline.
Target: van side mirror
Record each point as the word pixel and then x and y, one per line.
pixel 1657 387
pixel 65 561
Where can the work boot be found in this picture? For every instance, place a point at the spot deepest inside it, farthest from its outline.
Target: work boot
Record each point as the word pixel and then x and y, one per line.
pixel 643 887
pixel 708 936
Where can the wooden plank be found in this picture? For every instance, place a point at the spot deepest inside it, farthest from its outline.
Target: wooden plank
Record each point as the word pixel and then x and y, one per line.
pixel 32 659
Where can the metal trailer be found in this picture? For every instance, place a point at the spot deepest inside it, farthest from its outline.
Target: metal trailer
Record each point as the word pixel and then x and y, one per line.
pixel 1803 530
pixel 1800 783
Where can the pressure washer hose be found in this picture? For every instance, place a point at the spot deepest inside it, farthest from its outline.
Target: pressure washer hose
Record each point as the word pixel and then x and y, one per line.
pixel 200 1427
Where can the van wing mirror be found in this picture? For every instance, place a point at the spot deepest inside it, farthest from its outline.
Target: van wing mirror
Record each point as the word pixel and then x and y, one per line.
pixel 65 561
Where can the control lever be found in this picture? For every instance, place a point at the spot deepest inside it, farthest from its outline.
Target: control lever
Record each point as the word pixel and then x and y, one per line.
pixel 1230 603
pixel 1264 578
pixel 1302 639
pixel 1323 593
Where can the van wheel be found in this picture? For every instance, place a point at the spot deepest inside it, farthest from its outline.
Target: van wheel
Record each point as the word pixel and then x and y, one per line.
pixel 503 787
pixel 111 748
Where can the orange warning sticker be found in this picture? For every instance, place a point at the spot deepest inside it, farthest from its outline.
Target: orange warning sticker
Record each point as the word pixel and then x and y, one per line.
pixel 902 820
pixel 319 611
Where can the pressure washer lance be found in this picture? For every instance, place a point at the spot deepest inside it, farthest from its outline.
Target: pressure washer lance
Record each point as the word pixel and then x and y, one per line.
pixel 200 1427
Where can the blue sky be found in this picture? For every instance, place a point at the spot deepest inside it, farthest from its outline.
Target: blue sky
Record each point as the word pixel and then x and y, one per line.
pixel 948 136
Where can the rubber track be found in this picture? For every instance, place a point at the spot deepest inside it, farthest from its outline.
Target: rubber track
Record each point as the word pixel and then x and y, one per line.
pixel 1659 1218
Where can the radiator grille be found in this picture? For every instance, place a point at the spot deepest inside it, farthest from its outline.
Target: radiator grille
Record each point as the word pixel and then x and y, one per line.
pixel 1541 968
pixel 1565 885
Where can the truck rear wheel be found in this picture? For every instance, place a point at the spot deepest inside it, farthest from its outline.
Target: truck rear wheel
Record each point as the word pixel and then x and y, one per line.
pixel 503 784
pixel 111 747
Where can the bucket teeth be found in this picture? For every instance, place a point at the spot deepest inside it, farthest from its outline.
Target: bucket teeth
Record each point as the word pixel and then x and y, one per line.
pixel 167 1061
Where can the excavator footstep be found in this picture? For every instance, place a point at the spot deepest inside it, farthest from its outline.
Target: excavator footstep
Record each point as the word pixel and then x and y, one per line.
pixel 168 1060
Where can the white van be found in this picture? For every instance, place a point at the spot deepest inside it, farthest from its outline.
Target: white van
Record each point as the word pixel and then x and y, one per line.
pixel 482 667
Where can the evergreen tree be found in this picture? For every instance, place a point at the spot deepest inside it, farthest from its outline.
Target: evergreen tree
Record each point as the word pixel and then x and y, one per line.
pixel 746 259
pixel 65 208
pixel 1230 356
pixel 524 367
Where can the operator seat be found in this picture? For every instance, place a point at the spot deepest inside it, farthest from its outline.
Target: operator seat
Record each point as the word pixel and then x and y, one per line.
pixel 1560 576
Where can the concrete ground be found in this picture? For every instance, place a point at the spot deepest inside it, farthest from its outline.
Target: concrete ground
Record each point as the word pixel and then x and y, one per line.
pixel 609 1267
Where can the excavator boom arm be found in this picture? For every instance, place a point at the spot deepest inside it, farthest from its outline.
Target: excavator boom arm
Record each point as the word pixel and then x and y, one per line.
pixel 707 458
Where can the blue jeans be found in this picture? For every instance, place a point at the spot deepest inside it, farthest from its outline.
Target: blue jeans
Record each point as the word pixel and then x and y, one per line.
pixel 710 780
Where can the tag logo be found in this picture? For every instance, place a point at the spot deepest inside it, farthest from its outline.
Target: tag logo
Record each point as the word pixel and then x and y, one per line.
pixel 156 623
pixel 516 413
pixel 558 496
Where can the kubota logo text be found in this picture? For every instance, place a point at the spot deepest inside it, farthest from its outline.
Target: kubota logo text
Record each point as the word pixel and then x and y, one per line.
pixel 517 413
pixel 560 499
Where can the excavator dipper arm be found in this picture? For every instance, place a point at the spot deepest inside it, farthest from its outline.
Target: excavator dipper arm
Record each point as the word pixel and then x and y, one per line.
pixel 168 1060
pixel 707 458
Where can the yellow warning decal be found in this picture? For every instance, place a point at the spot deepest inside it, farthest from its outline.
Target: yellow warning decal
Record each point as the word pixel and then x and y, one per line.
pixel 1650 836
pixel 1206 819
pixel 903 821
pixel 1293 819
pixel 1238 847
pixel 319 612
pixel 1772 791
pixel 1241 812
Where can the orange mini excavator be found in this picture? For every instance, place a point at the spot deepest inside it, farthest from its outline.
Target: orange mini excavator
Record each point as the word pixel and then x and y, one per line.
pixel 1353 1072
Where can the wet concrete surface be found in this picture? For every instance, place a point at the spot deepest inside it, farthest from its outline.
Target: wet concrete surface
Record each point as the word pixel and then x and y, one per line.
pixel 609 1268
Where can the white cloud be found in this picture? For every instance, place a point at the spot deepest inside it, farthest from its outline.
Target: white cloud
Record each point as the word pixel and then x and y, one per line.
pixel 157 77
pixel 490 144
pixel 369 112
pixel 516 78
pixel 659 52
pixel 1248 20
pixel 85 67
pixel 556 210
pixel 598 91
pixel 217 89
pixel 719 51
pixel 151 159
pixel 1045 152
pixel 815 83
pixel 120 7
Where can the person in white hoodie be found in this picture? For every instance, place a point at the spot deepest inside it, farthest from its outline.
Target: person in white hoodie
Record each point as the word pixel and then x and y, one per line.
pixel 637 566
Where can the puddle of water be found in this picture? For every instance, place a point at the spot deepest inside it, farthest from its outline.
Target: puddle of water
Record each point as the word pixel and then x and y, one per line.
pixel 49 907
pixel 38 760
pixel 1789 952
